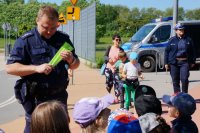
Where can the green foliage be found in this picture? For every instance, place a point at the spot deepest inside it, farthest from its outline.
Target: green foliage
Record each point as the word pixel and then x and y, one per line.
pixel 2 42
pixel 193 14
pixel 99 60
pixel 109 19
pixel 12 1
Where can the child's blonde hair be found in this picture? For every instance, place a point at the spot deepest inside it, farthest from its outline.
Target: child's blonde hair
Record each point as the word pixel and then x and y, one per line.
pixel 121 54
pixel 99 125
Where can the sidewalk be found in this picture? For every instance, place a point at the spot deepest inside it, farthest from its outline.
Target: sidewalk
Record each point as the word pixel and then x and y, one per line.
pixel 2 62
pixel 89 82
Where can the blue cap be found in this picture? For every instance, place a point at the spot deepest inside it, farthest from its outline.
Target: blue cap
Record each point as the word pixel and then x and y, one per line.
pixel 133 56
pixel 179 26
pixel 184 102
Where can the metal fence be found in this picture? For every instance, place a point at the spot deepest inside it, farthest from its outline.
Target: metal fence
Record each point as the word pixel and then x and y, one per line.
pixel 84 38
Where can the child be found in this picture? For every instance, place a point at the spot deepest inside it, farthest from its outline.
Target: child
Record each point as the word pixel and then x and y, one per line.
pixel 50 117
pixel 181 107
pixel 119 65
pixel 123 121
pixel 131 72
pixel 147 104
pixel 92 113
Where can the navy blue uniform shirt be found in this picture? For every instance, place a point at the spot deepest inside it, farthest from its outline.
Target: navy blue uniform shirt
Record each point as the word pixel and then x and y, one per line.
pixel 180 48
pixel 184 124
pixel 32 49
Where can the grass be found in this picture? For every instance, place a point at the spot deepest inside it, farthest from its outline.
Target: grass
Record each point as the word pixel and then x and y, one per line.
pixel 2 42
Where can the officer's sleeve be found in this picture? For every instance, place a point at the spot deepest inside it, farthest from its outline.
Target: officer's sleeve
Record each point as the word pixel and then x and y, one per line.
pixel 17 53
pixel 167 49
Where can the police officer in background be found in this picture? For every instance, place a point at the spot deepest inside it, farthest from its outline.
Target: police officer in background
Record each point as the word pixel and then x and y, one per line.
pixel 179 57
pixel 29 59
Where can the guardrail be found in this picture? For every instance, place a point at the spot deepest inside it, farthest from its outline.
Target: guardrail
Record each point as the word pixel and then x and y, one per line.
pixel 158 62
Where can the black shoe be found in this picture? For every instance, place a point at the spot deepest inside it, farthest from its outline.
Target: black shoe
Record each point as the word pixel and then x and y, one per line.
pixel 108 89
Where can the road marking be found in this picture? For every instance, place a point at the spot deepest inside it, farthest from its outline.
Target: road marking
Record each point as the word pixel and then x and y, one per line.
pixel 7 102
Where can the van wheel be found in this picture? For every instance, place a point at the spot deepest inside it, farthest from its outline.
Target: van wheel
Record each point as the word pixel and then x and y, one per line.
pixel 147 64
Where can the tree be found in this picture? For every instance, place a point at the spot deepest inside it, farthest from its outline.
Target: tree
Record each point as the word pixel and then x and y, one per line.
pixel 193 14
pixel 168 12
pixel 12 1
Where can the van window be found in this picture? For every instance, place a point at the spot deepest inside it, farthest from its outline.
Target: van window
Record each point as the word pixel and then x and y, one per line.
pixel 142 33
pixel 163 33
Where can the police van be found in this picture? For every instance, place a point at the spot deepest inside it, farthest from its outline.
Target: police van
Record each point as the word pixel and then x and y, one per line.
pixel 151 39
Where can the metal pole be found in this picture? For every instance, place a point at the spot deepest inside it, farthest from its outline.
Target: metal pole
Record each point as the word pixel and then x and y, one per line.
pixel 5 43
pixel 73 44
pixel 9 37
pixel 175 14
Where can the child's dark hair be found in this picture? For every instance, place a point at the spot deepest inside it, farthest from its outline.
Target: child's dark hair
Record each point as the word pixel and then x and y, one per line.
pixel 163 127
pixel 116 36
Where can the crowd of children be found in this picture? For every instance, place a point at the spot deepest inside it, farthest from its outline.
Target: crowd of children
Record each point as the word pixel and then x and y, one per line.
pixel 93 115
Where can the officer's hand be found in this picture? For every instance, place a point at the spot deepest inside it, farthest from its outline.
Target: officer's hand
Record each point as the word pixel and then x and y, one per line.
pixel 166 66
pixel 44 68
pixel 67 56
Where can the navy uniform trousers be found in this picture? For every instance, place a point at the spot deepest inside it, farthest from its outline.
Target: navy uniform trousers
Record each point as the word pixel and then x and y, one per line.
pixel 180 72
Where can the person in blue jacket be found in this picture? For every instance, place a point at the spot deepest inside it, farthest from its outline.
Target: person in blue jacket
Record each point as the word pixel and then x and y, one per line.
pixel 181 107
pixel 179 57
pixel 30 57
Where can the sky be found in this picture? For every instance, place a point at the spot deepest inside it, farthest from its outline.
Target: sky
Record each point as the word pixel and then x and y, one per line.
pixel 159 4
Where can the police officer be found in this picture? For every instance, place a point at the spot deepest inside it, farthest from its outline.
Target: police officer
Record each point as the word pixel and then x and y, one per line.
pixel 29 59
pixel 180 56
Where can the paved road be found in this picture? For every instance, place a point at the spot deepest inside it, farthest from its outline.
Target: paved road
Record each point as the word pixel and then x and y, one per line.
pixel 9 108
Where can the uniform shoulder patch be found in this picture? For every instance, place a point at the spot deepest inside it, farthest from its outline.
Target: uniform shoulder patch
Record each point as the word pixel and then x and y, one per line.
pixel 26 35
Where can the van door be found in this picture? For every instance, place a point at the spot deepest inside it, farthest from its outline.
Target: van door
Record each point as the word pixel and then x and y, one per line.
pixel 193 31
pixel 156 47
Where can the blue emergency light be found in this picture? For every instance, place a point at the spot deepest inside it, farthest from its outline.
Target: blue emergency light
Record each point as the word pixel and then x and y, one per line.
pixel 161 19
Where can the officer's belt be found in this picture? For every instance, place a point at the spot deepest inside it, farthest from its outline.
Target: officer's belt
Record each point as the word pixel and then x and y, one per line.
pixel 41 89
pixel 181 59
